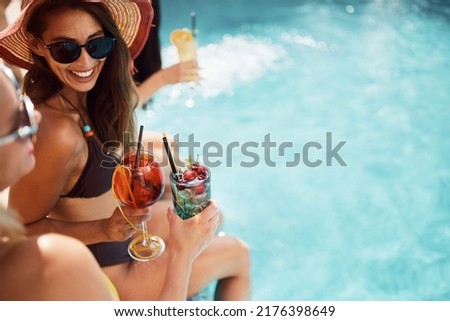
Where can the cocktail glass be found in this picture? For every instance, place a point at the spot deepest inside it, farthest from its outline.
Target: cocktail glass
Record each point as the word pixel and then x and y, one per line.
pixel 186 46
pixel 191 189
pixel 185 43
pixel 139 185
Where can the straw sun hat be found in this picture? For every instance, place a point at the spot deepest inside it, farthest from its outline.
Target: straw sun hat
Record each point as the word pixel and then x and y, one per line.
pixel 133 17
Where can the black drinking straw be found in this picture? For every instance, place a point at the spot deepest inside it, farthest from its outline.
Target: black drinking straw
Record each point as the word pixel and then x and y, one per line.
pixel 138 152
pixel 193 24
pixel 169 154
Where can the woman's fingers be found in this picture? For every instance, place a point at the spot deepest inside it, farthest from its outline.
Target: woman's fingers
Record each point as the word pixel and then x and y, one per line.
pixel 210 212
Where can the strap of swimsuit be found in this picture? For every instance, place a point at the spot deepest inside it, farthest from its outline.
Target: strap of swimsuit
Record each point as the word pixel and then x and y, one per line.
pixel 87 130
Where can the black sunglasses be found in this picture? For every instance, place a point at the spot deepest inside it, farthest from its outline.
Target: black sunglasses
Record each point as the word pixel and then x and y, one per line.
pixel 66 52
pixel 26 122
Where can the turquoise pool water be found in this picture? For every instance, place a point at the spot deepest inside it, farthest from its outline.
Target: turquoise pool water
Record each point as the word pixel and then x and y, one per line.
pixel 375 74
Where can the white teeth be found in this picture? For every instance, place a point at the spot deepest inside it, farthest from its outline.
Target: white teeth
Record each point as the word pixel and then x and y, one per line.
pixel 83 74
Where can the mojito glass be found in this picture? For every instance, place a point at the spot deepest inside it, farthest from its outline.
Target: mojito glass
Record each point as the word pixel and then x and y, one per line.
pixel 191 189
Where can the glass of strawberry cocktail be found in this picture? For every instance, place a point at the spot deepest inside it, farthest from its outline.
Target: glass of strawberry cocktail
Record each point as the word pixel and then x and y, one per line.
pixel 191 189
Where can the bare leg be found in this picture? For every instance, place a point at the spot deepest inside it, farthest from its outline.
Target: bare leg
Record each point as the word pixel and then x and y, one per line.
pixel 226 260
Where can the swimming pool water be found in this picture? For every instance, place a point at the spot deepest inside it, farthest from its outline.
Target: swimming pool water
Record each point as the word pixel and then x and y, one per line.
pixel 375 74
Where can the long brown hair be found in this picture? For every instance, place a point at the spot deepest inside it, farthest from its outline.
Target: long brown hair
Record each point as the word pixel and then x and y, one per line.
pixel 112 101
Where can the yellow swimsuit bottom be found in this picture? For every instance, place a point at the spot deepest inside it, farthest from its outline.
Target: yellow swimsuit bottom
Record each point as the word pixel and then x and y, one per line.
pixel 111 287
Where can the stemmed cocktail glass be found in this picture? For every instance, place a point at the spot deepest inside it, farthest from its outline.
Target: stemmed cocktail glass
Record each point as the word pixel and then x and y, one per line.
pixel 139 182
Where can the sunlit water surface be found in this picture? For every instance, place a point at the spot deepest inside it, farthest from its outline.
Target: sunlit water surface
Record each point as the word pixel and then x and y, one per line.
pixel 375 74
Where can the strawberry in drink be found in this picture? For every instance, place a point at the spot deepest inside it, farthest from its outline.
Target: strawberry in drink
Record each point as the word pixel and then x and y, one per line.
pixel 191 189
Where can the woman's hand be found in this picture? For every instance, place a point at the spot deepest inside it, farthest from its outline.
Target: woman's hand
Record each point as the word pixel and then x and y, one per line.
pixel 118 229
pixel 193 236
pixel 180 72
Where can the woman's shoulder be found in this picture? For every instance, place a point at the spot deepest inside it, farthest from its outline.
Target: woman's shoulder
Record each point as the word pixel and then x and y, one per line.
pixel 59 130
pixel 56 121
pixel 44 267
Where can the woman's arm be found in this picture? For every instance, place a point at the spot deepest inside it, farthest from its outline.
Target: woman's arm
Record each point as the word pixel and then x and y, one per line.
pixel 61 154
pixel 187 240
pixel 180 72
pixel 70 265
pixel 114 228
pixel 52 267
pixel 59 151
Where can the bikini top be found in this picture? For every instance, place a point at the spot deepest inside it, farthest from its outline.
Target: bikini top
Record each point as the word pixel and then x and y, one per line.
pixel 96 177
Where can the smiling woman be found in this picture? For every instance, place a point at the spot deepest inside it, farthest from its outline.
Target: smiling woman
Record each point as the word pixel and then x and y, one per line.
pixel 79 55
pixel 43 267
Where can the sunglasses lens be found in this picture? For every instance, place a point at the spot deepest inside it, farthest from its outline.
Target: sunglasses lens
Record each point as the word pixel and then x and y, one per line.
pixel 65 52
pixel 100 48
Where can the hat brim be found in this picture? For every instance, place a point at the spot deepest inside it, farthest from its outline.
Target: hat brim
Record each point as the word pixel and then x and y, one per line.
pixel 133 18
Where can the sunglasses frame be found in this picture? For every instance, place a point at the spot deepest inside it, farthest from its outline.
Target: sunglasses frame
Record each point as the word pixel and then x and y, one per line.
pixel 25 105
pixel 79 48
